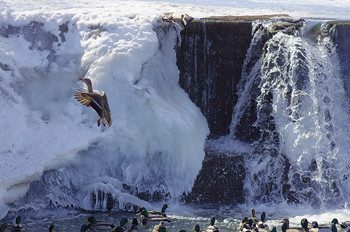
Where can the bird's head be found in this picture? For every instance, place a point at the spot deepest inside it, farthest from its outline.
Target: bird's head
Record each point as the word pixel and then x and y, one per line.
pixel 314 224
pixel 91 219
pixel 165 206
pixel 196 228
pixel 123 221
pixel 18 220
pixel 304 223
pixel 212 221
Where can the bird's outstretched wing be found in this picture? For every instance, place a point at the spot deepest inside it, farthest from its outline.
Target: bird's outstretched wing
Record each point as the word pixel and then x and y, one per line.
pixel 87 99
pixel 82 97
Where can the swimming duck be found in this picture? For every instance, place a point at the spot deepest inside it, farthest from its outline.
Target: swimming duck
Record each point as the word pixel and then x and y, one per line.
pixel 134 225
pixel 212 227
pixel 4 227
pixel 314 227
pixel 285 226
pixel 100 225
pixel 262 226
pixel 159 228
pixel 95 99
pixel 253 217
pixel 245 224
pixel 152 217
pixel 162 212
pixel 122 225
pixel 17 227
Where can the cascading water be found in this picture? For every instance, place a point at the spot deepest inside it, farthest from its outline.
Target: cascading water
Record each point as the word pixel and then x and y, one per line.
pixel 287 136
pixel 300 126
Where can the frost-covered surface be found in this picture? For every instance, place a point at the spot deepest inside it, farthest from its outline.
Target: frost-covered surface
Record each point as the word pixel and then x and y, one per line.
pixel 157 137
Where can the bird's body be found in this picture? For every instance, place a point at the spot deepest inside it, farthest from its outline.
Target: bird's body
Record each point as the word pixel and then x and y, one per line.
pixel 314 227
pixel 98 225
pixel 152 217
pixel 345 224
pixel 95 99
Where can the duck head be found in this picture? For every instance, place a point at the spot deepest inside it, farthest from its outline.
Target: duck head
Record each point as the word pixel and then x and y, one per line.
pixel 144 213
pixel 165 206
pixel 285 224
pixel 212 221
pixel 123 221
pixel 88 83
pixel 138 212
pixel 304 223
pixel 18 220
pixel 196 228
pixel 252 211
pixel 91 219
pixel 334 221
pixel 263 217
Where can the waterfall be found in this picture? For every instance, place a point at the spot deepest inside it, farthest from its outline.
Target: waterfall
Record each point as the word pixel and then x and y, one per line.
pixel 293 109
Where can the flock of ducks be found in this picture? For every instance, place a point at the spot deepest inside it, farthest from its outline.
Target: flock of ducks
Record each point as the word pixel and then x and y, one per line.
pixel 147 216
pixel 251 224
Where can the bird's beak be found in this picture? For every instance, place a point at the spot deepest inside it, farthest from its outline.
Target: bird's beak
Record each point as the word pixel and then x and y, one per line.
pixel 86 221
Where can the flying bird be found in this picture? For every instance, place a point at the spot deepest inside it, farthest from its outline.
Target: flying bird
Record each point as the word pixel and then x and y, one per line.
pixel 95 99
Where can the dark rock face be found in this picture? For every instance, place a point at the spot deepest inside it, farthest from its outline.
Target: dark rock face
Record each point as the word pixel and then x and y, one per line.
pixel 220 181
pixel 210 60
